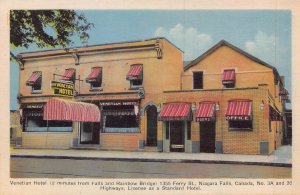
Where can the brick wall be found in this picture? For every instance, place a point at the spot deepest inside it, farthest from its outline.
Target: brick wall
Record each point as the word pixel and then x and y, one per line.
pixel 241 141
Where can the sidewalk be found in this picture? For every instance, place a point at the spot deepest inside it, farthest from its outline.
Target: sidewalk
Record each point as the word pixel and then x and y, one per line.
pixel 282 157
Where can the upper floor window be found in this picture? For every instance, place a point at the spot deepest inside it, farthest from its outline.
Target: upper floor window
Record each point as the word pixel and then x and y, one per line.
pixel 35 81
pixel 69 75
pixel 198 80
pixel 228 78
pixel 135 76
pixel 95 78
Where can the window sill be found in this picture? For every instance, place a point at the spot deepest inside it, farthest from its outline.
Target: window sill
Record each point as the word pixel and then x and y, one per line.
pixel 96 89
pixel 36 92
pixel 135 87
pixel 198 89
pixel 240 129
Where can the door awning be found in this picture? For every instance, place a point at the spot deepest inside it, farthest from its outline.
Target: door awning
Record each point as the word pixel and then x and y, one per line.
pixel 175 111
pixel 68 75
pixel 239 110
pixel 228 76
pixel 135 72
pixel 58 109
pixel 94 75
pixel 205 112
pixel 34 78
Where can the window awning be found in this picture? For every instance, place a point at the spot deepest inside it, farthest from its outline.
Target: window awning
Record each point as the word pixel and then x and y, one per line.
pixel 135 72
pixel 34 78
pixel 205 112
pixel 274 114
pixel 68 75
pixel 228 76
pixel 93 76
pixel 239 110
pixel 58 109
pixel 175 111
pixel 283 92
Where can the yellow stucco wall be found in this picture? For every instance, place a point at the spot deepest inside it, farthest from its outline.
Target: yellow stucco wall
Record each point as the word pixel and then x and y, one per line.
pixel 158 75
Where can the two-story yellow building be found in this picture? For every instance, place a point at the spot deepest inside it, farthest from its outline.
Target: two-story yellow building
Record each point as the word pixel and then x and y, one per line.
pixel 139 96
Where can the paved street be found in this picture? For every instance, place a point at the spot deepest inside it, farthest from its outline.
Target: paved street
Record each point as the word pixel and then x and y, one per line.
pixel 70 168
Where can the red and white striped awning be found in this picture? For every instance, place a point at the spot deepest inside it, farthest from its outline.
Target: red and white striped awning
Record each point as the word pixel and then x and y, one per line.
pixel 35 77
pixel 228 76
pixel 58 109
pixel 274 114
pixel 68 75
pixel 175 111
pixel 239 110
pixel 135 72
pixel 205 112
pixel 94 75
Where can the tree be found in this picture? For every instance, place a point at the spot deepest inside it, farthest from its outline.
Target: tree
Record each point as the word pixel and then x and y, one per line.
pixel 32 27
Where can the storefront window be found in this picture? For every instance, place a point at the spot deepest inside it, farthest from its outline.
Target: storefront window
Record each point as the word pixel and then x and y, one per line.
pixel 240 124
pixel 120 119
pixel 34 123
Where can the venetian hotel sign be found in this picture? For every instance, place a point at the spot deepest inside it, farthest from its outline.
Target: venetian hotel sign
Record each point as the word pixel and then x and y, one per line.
pixel 61 88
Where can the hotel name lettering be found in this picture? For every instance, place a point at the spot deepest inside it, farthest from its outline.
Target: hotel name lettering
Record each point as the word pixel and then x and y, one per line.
pixel 62 89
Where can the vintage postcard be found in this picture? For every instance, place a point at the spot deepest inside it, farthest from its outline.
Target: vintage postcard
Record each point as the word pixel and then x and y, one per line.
pixel 125 97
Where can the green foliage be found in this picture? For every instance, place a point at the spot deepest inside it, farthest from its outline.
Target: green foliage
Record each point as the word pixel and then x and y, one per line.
pixel 29 27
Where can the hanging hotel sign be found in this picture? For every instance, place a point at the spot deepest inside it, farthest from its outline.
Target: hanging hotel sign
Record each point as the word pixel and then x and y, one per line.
pixel 61 88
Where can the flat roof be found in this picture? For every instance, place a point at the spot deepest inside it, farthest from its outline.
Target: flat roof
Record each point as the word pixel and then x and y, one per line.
pixel 105 46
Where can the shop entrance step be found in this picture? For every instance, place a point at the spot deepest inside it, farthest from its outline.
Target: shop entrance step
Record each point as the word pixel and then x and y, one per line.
pixel 150 149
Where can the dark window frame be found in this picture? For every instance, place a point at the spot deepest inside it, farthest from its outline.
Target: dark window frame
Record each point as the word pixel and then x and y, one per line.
pixel 167 126
pixel 136 83
pixel 98 81
pixel 189 130
pixel 37 86
pixel 198 83
pixel 233 125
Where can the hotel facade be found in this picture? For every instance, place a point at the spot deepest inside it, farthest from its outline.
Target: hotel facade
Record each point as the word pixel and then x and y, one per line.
pixel 141 96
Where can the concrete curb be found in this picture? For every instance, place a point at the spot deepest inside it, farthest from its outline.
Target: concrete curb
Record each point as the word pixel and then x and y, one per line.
pixel 155 160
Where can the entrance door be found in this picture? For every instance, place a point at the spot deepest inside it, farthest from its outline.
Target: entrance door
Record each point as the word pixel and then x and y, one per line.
pixel 151 126
pixel 207 137
pixel 89 133
pixel 177 136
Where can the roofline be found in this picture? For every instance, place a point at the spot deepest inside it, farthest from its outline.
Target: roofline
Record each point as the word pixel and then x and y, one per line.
pixel 222 43
pixel 26 55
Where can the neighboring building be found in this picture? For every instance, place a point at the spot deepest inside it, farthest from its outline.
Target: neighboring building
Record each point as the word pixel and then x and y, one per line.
pixel 289 124
pixel 14 126
pixel 140 96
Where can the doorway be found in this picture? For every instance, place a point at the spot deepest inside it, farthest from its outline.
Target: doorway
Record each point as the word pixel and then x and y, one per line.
pixel 89 133
pixel 207 137
pixel 176 136
pixel 151 126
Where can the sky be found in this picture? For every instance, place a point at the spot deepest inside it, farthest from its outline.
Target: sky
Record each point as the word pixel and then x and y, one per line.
pixel 266 34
